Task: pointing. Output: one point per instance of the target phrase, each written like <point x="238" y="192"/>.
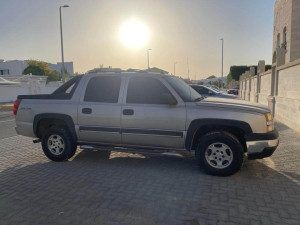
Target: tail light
<point x="16" y="106"/>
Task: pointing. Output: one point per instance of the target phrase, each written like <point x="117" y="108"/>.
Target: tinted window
<point x="145" y="90"/>
<point x="66" y="90"/>
<point x="103" y="89"/>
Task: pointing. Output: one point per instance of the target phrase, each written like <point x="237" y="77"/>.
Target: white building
<point x="286" y="41"/>
<point x="16" y="67"/>
<point x="279" y="88"/>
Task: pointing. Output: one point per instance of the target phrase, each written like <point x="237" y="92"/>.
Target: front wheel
<point x="219" y="153"/>
<point x="57" y="144"/>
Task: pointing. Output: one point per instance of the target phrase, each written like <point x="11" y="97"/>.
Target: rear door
<point x="146" y="119"/>
<point x="99" y="111"/>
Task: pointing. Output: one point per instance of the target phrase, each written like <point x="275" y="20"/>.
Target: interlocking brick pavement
<point x="136" y="189"/>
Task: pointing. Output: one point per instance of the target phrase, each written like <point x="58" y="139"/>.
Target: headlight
<point x="269" y="122"/>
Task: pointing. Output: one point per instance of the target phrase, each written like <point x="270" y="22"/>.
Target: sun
<point x="134" y="34"/>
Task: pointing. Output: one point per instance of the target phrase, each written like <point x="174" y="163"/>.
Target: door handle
<point x="87" y="110"/>
<point x="128" y="112"/>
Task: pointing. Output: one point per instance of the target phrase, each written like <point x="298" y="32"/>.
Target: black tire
<point x="73" y="151"/>
<point x="60" y="136"/>
<point x="215" y="140"/>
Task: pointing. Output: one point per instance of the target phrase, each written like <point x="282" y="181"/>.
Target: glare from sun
<point x="134" y="34"/>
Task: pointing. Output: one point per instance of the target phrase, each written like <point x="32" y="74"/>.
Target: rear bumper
<point x="24" y="128"/>
<point x="262" y="145"/>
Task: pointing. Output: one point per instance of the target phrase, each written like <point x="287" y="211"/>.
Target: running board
<point x="131" y="150"/>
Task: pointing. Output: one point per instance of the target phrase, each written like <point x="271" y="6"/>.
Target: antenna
<point x="187" y="61"/>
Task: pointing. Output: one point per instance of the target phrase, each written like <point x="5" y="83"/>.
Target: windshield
<point x="213" y="90"/>
<point x="187" y="93"/>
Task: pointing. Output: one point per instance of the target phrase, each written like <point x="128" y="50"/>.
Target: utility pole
<point x="149" y="49"/>
<point x="188" y="66"/>
<point x="187" y="61"/>
<point x="222" y="39"/>
<point x="175" y="68"/>
<point x="62" y="45"/>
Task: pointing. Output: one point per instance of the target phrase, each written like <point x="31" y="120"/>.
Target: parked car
<point x="234" y="91"/>
<point x="216" y="88"/>
<point x="210" y="92"/>
<point x="144" y="112"/>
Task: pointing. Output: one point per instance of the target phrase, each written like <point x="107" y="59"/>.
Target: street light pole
<point x="175" y="68"/>
<point x="149" y="49"/>
<point x="222" y="39"/>
<point x="62" y="45"/>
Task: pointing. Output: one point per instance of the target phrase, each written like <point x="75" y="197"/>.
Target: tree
<point x="237" y="71"/>
<point x="54" y="76"/>
<point x="268" y="67"/>
<point x="41" y="68"/>
<point x="229" y="78"/>
<point x="35" y="70"/>
<point x="200" y="83"/>
<point x="212" y="76"/>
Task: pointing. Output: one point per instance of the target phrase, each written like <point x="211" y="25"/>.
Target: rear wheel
<point x="73" y="151"/>
<point x="58" y="145"/>
<point x="219" y="153"/>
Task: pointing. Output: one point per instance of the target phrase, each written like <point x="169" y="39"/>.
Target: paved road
<point x="135" y="189"/>
<point x="7" y="124"/>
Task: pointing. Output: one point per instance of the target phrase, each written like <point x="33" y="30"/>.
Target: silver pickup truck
<point x="145" y="112"/>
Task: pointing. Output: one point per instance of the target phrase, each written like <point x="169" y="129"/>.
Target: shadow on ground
<point x="135" y="189"/>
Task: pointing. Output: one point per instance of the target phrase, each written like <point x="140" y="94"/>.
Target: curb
<point x="7" y="107"/>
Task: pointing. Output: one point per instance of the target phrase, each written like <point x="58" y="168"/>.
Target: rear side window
<point x="103" y="89"/>
<point x="145" y="90"/>
<point x="66" y="90"/>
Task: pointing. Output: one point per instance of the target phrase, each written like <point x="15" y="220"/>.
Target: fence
<point x="278" y="88"/>
<point x="26" y="85"/>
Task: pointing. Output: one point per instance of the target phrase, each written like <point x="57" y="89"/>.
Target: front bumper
<point x="262" y="145"/>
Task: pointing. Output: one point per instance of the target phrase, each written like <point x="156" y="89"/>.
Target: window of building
<point x="284" y="44"/>
<point x="284" y="34"/>
<point x="146" y="90"/>
<point x="4" y="72"/>
<point x="278" y="41"/>
<point x="103" y="89"/>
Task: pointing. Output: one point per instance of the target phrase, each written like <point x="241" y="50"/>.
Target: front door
<point x="99" y="111"/>
<point x="147" y="119"/>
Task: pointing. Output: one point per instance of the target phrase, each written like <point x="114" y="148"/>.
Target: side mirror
<point x="168" y="99"/>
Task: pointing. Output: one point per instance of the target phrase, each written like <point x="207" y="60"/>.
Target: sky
<point x="178" y="29"/>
